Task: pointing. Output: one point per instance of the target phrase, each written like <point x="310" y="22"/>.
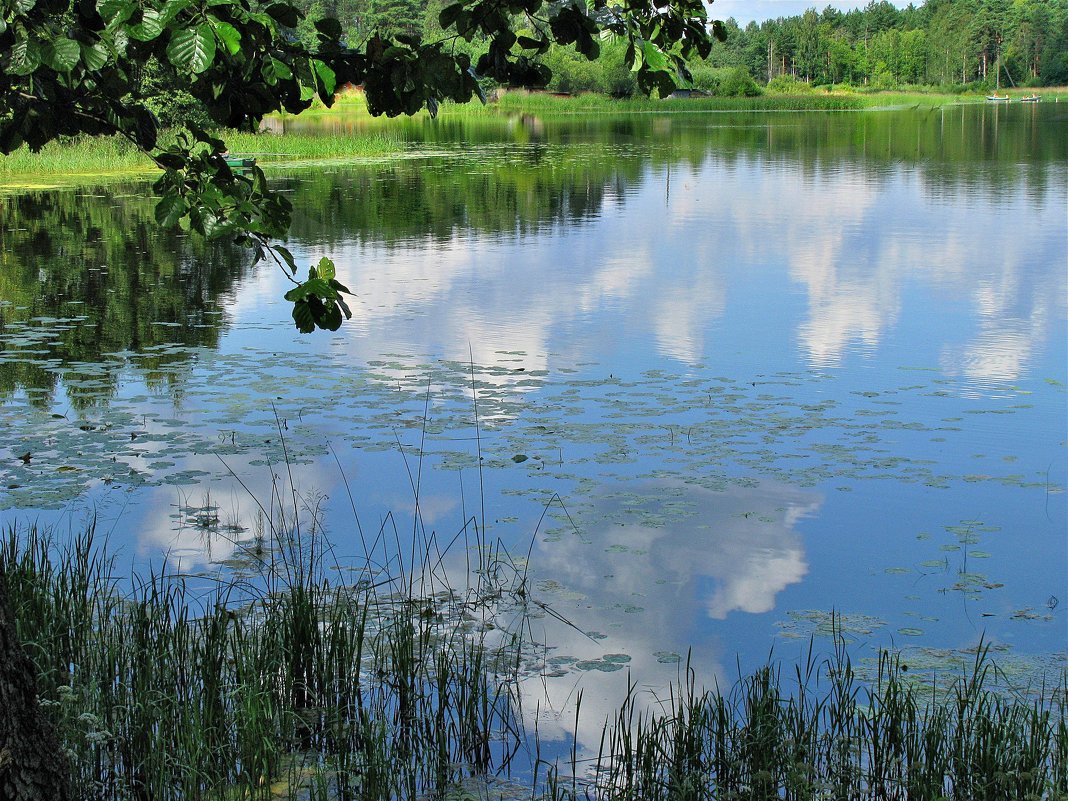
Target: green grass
<point x="80" y="155"/>
<point x="517" y="101"/>
<point x="82" y="159"/>
<point x="85" y="158"/>
<point x="282" y="682"/>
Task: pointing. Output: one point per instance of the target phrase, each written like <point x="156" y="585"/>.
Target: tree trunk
<point x="32" y="766"/>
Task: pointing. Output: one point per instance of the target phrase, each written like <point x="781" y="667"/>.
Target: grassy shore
<point x="93" y="159"/>
<point x="520" y="101"/>
<point x="285" y="684"/>
<point x="85" y="159"/>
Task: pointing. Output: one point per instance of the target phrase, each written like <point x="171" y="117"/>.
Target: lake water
<point x="710" y="377"/>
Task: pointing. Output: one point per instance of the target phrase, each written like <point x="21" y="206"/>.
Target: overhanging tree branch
<point x="71" y="67"/>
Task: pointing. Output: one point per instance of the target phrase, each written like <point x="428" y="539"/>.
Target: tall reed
<point x="165" y="691"/>
<point x="826" y="735"/>
<point x="289" y="684"/>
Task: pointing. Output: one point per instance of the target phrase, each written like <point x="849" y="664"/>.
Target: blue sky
<point x="745" y="11"/>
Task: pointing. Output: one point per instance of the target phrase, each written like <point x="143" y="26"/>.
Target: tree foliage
<point x="72" y="67"/>
<point x="939" y="42"/>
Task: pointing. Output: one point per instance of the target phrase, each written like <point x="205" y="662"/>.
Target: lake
<point x="708" y="379"/>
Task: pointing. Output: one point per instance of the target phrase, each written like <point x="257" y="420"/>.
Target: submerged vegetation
<point x="283" y="683"/>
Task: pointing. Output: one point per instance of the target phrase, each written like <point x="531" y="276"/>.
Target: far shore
<point x="94" y="160"/>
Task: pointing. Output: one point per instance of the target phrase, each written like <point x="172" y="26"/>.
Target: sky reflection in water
<point x="757" y="374"/>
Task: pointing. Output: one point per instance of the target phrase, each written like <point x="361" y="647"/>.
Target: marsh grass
<point x="283" y="684"/>
<point x="77" y="159"/>
<point x="595" y="103"/>
<point x="822" y="734"/>
<point x="282" y="680"/>
<point x="287" y="684"/>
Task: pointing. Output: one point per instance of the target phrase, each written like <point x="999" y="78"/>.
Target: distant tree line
<point x="941" y="42"/>
<point x="947" y="43"/>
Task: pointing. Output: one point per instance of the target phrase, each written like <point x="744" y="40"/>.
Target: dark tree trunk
<point x="32" y="766"/>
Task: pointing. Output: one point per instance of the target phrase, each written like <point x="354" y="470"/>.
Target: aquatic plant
<point x="287" y="684"/>
<point x="824" y="734"/>
<point x="279" y="681"/>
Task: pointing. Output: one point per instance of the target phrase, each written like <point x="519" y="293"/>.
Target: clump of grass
<point x="297" y="147"/>
<point x="824" y="734"/>
<point x="299" y="685"/>
<point x="76" y="155"/>
<point x="515" y="102"/>
<point x="103" y="156"/>
<point x="285" y="684"/>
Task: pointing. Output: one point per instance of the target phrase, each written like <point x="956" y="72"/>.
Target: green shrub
<point x="789" y="85"/>
<point x="738" y="83"/>
<point x="883" y="80"/>
<point x="706" y="77"/>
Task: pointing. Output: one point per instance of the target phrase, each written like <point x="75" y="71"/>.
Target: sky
<point x="745" y="11"/>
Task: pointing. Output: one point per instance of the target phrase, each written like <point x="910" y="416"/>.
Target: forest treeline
<point x="947" y="43"/>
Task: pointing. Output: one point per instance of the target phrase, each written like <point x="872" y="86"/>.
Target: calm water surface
<point x="731" y="373"/>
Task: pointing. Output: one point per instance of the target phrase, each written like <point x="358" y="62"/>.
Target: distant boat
<point x="1030" y="99"/>
<point x="996" y="98"/>
<point x="240" y="162"/>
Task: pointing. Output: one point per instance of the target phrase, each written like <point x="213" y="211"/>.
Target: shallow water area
<point x="711" y="378"/>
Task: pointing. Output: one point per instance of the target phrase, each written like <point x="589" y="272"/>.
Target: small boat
<point x="1030" y="99"/>
<point x="240" y="162"/>
<point x="996" y="98"/>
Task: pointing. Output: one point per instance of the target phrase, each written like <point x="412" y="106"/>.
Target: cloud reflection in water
<point x="662" y="557"/>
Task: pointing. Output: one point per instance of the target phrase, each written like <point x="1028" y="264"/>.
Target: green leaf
<point x="25" y="57"/>
<point x="654" y="57"/>
<point x="287" y="257"/>
<point x="285" y="14"/>
<point x="330" y="318"/>
<point x="114" y="12"/>
<point x="528" y="43"/>
<point x="192" y="49"/>
<point x="339" y="287"/>
<point x="228" y="35"/>
<point x="145" y="126"/>
<point x="329" y="27"/>
<point x="172" y="8"/>
<point x="150" y="26"/>
<point x="170" y="209"/>
<point x="95" y="56"/>
<point x="326" y="269"/>
<point x="302" y="316"/>
<point x="326" y="76"/>
<point x="345" y="308"/>
<point x="213" y="142"/>
<point x="171" y="161"/>
<point x="449" y="14"/>
<point x="62" y="54"/>
<point x="275" y="70"/>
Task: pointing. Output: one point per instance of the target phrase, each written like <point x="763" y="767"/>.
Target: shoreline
<point x="89" y="161"/>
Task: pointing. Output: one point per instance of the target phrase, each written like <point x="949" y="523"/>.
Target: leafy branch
<point x="70" y="68"/>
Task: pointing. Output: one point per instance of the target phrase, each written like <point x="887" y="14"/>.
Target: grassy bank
<point x="822" y="99"/>
<point x="282" y="683"/>
<point x="82" y="159"/>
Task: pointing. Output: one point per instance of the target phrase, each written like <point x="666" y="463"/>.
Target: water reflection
<point x="662" y="557"/>
<point x="671" y="269"/>
<point x="87" y="276"/>
<point x="635" y="228"/>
